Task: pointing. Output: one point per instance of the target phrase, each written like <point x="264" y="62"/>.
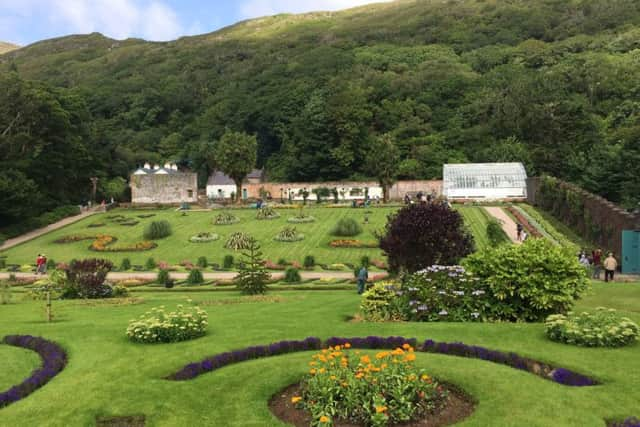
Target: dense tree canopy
<point x="553" y="83"/>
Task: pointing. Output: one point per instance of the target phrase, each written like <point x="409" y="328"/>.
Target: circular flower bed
<point x="102" y="242"/>
<point x="238" y="241"/>
<point x="602" y="329"/>
<point x="204" y="237"/>
<point x="226" y="218"/>
<point x="289" y="234"/>
<point x="157" y="326"/>
<point x="357" y="388"/>
<point x="352" y="243"/>
<point x="301" y="219"/>
<point x="267" y="213"/>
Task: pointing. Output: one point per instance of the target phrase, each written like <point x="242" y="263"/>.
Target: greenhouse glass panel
<point x="485" y="181"/>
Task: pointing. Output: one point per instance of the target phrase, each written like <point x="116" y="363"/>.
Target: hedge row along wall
<point x="595" y="218"/>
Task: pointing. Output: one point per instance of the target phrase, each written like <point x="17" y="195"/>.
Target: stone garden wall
<point x="172" y="188"/>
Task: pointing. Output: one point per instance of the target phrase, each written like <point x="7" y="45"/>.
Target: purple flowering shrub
<point x="629" y="422"/>
<point x="54" y="360"/>
<point x="443" y="293"/>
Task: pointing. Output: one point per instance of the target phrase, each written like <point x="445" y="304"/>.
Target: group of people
<point x="610" y="264"/>
<point x="420" y="198"/>
<point x="41" y="264"/>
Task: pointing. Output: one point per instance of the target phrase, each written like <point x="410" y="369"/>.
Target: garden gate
<point x="631" y="252"/>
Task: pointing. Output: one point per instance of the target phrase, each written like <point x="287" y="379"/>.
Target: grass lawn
<point x="108" y="375"/>
<point x="476" y="219"/>
<point x="177" y="247"/>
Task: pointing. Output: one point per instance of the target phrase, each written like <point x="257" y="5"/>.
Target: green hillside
<point x="553" y="83"/>
<point x="7" y="47"/>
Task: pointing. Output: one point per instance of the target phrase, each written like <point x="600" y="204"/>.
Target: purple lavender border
<point x="54" y="359"/>
<point x="629" y="422"/>
<point x="558" y="375"/>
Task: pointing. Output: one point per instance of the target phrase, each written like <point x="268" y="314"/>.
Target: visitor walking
<point x="40" y="264"/>
<point x="584" y="260"/>
<point x="610" y="265"/>
<point x="519" y="229"/>
<point x="523" y="236"/>
<point x="363" y="275"/>
<point x="596" y="257"/>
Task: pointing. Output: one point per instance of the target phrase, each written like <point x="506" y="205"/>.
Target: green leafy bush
<point x="292" y="275"/>
<point x="365" y="261"/>
<point x="120" y="291"/>
<point x="309" y="261"/>
<point x="602" y="329"/>
<point x="157" y="230"/>
<point x="125" y="265"/>
<point x="163" y="277"/>
<point x="530" y="281"/>
<point x="51" y="264"/>
<point x="202" y="262"/>
<point x="195" y="277"/>
<point x="381" y="303"/>
<point x="225" y="218"/>
<point x="267" y="213"/>
<point x="495" y="233"/>
<point x="289" y="234"/>
<point x="363" y="390"/>
<point x="150" y="264"/>
<point x="346" y="227"/>
<point x="157" y="326"/>
<point x="227" y="262"/>
<point x="238" y="241"/>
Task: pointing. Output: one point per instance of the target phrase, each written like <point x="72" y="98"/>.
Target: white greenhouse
<point x="491" y="181"/>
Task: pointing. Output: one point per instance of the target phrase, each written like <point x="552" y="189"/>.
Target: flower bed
<point x="367" y="390"/>
<point x="548" y="372"/>
<point x="54" y="359"/>
<point x="301" y="219"/>
<point x="204" y="237"/>
<point x="352" y="243"/>
<point x="160" y="327"/>
<point x="602" y="329"/>
<point x="225" y="219"/>
<point x="289" y="234"/>
<point x="533" y="231"/>
<point x="102" y="242"/>
<point x="267" y="213"/>
<point x="96" y="225"/>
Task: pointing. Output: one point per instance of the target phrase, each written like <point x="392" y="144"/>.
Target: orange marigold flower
<point x="296" y="399"/>
<point x="324" y="419"/>
<point x="410" y="357"/>
<point x="312" y="371"/>
<point x="406" y="346"/>
<point x="380" y="409"/>
<point x="424" y="377"/>
<point x="347" y="345"/>
<point x="333" y="377"/>
<point x="365" y="359"/>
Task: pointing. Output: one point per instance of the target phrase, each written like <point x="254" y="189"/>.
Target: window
<point x="190" y="194"/>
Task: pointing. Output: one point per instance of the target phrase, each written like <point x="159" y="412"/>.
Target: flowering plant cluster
<point x="381" y="303"/>
<point x="376" y="391"/>
<point x="267" y="213"/>
<point x="443" y="293"/>
<point x="204" y="237"/>
<point x="102" y="242"/>
<point x="352" y="243"/>
<point x="301" y="219"/>
<point x="157" y="326"/>
<point x="602" y="329"/>
<point x="54" y="360"/>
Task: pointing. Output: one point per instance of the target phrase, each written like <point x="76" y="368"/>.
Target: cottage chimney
<point x="167" y="166"/>
<point x="147" y="166"/>
<point x="174" y="167"/>
<point x="156" y="167"/>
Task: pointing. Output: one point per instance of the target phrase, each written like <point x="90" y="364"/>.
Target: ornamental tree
<point x="236" y="155"/>
<point x="382" y="161"/>
<point x="422" y="235"/>
<point x="253" y="276"/>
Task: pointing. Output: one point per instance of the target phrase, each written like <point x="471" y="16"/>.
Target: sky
<point x="25" y="21"/>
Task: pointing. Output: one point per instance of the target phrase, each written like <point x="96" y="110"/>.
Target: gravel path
<point x="508" y="225"/>
<point x="51" y="227"/>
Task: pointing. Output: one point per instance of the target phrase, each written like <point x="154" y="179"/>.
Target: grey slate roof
<point x="219" y="178"/>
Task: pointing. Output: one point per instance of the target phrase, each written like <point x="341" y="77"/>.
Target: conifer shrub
<point x="292" y="275"/>
<point x="150" y="264"/>
<point x="195" y="277"/>
<point x="163" y="277"/>
<point x="227" y="262"/>
<point x="157" y="230"/>
<point x="125" y="264"/>
<point x="346" y="227"/>
<point x="202" y="262"/>
<point x="309" y="261"/>
<point x="253" y="276"/>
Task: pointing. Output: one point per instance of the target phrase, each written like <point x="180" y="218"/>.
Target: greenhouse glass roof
<point x="485" y="180"/>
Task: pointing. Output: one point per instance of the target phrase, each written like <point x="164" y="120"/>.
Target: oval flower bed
<point x="54" y="359"/>
<point x="102" y="242"/>
<point x="204" y="237"/>
<point x="602" y="329"/>
<point x="157" y="326"/>
<point x="225" y="219"/>
<point x="352" y="243"/>
<point x="301" y="219"/>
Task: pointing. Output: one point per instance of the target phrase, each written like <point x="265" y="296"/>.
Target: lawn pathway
<point x="51" y="227"/>
<point x="508" y="225"/>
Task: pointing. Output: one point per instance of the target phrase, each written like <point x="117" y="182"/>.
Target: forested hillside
<point x="554" y="83"/>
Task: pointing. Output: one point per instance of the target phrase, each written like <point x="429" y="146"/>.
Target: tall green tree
<point x="382" y="161"/>
<point x="236" y="155"/>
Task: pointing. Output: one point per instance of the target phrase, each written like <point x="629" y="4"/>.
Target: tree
<point x="382" y="161"/>
<point x="253" y="276"/>
<point x="422" y="235"/>
<point x="236" y="156"/>
<point x="114" y="188"/>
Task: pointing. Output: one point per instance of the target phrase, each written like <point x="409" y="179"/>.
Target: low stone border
<point x="54" y="359"/>
<point x="559" y="375"/>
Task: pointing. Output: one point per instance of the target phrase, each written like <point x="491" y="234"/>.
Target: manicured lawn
<point x="108" y="375"/>
<point x="177" y="247"/>
<point x="476" y="219"/>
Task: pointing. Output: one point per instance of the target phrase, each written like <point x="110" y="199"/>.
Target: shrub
<point x="495" y="233"/>
<point x="150" y="264"/>
<point x="51" y="264"/>
<point x="444" y="293"/>
<point x="362" y="390"/>
<point x="238" y="241"/>
<point x="381" y="303"/>
<point x="85" y="279"/>
<point x="602" y="329"/>
<point x="3" y="263"/>
<point x="195" y="277"/>
<point x="202" y="262"/>
<point x="120" y="291"/>
<point x="125" y="265"/>
<point x="3" y="239"/>
<point x="365" y="261"/>
<point x="5" y="292"/>
<point x="227" y="262"/>
<point x="157" y="230"/>
<point x="346" y="227"/>
<point x="204" y="237"/>
<point x="292" y="275"/>
<point x="163" y="277"/>
<point x="253" y="276"/>
<point x="289" y="234"/>
<point x="267" y="213"/>
<point x="225" y="218"/>
<point x="283" y="262"/>
<point x="421" y="235"/>
<point x="530" y="281"/>
<point x="160" y="327"/>
<point x="309" y="261"/>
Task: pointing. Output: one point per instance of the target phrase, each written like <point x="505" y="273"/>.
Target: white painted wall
<point x="213" y="193"/>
